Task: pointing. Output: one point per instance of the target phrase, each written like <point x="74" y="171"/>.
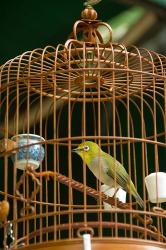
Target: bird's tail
<point x="138" y="199"/>
<point x="136" y="195"/>
<point x="134" y="192"/>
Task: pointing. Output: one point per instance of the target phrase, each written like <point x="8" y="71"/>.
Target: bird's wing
<point x="116" y="170"/>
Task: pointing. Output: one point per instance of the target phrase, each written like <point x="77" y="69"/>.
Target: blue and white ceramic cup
<point x="32" y="155"/>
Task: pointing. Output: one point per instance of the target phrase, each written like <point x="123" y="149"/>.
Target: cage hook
<point x="86" y="233"/>
<point x="85" y="230"/>
<point x="91" y="2"/>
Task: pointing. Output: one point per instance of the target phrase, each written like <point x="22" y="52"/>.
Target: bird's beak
<point x="75" y="150"/>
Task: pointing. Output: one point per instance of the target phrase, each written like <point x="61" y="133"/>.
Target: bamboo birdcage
<point x="87" y="89"/>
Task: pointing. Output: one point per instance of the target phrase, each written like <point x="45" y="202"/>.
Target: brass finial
<point x="89" y="12"/>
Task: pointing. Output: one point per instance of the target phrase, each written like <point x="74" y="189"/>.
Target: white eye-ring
<point x="86" y="148"/>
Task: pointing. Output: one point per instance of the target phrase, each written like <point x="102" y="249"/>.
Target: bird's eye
<point x="86" y="148"/>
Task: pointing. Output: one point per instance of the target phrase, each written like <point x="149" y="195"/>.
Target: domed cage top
<point x="52" y="100"/>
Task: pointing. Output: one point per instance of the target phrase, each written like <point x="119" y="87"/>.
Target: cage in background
<point x="52" y="100"/>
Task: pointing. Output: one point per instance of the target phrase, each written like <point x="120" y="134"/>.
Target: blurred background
<point x="26" y="25"/>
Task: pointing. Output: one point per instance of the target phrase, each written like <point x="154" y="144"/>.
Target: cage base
<point x="98" y="244"/>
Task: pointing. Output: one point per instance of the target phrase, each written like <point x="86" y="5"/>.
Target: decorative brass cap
<point x="89" y="13"/>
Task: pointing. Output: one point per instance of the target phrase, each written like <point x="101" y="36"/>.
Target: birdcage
<point x="54" y="99"/>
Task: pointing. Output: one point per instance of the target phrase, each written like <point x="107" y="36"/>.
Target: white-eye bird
<point x="103" y="166"/>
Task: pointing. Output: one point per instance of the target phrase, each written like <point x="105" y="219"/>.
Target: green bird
<point x="103" y="166"/>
